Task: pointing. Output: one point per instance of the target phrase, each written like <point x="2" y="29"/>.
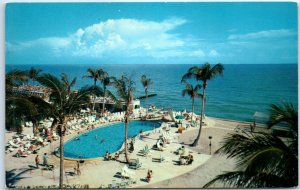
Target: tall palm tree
<point x="93" y="74"/>
<point x="33" y="74"/>
<point x="64" y="104"/>
<point x="204" y="74"/>
<point x="106" y="80"/>
<point x="69" y="84"/>
<point x="125" y="88"/>
<point x="146" y="82"/>
<point x="263" y="160"/>
<point x="193" y="93"/>
<point x="16" y="104"/>
<point x="21" y="107"/>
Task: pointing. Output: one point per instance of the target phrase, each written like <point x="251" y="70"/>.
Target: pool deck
<point x="97" y="172"/>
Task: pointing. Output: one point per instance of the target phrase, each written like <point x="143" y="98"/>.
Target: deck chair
<point x="126" y="173"/>
<point x="145" y="151"/>
<point x="137" y="164"/>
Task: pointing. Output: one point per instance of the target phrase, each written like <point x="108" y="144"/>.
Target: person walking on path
<point x="37" y="161"/>
<point x="45" y="159"/>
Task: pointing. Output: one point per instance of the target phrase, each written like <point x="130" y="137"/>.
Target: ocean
<point x="242" y="90"/>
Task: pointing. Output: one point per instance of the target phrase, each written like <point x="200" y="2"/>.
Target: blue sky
<point x="158" y="33"/>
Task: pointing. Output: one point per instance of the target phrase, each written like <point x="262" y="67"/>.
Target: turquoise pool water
<point x="95" y="143"/>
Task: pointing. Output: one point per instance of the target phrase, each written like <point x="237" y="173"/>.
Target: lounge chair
<point x="136" y="165"/>
<point x="145" y="151"/>
<point x="126" y="173"/>
<point x="162" y="159"/>
<point x="13" y="144"/>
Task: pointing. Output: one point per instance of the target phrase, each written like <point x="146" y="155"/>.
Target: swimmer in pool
<point x="102" y="141"/>
<point x="96" y="136"/>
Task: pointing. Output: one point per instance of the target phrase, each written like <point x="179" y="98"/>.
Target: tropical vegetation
<point x="146" y="82"/>
<point x="204" y="74"/>
<point x="193" y="92"/>
<point x="64" y="103"/>
<point x="93" y="74"/>
<point x="125" y="87"/>
<point x="263" y="160"/>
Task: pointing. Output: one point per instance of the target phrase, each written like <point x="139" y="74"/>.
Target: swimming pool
<point x="110" y="138"/>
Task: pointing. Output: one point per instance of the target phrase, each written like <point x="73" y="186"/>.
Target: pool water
<point x="95" y="143"/>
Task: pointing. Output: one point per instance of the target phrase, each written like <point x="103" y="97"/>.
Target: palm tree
<point x="16" y="104"/>
<point x="14" y="78"/>
<point x="33" y="74"/>
<point x="93" y="74"/>
<point x="204" y="74"/>
<point x="64" y="104"/>
<point x="106" y="80"/>
<point x="193" y="93"/>
<point x="37" y="111"/>
<point x="263" y="160"/>
<point x="146" y="82"/>
<point x="64" y="78"/>
<point x="286" y="114"/>
<point x="125" y="89"/>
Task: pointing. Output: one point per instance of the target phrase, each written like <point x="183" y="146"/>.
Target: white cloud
<point x="197" y="53"/>
<point x="213" y="53"/>
<point x="263" y="34"/>
<point x="121" y="36"/>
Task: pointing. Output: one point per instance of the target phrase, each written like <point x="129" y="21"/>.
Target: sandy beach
<point x="98" y="173"/>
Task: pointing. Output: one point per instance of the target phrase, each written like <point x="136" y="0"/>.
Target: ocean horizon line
<point x="111" y="64"/>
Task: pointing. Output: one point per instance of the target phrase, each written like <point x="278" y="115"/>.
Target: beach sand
<point x="98" y="172"/>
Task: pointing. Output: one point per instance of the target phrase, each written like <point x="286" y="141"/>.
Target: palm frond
<point x="240" y="179"/>
<point x="217" y="70"/>
<point x="15" y="78"/>
<point x="283" y="113"/>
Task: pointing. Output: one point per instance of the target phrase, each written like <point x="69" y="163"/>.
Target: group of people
<point x="109" y="157"/>
<point x="186" y="160"/>
<point x="45" y="160"/>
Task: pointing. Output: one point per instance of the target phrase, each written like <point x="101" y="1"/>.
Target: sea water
<point x="242" y="90"/>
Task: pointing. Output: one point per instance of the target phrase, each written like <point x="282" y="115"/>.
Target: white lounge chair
<point x="126" y="173"/>
<point x="13" y="144"/>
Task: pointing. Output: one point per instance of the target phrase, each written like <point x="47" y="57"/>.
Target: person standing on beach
<point x="45" y="159"/>
<point x="37" y="161"/>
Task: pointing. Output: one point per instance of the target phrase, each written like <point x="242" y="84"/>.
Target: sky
<point x="151" y="33"/>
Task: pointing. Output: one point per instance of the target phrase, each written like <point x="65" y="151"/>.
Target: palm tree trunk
<point x="195" y="143"/>
<point x="61" y="166"/>
<point x="94" y="96"/>
<point x="126" y="136"/>
<point x="34" y="128"/>
<point x="193" y="100"/>
<point x="103" y="105"/>
<point x="146" y="103"/>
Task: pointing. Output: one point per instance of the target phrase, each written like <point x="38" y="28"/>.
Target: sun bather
<point x="190" y="159"/>
<point x="182" y="160"/>
<point x="107" y="156"/>
<point x="131" y="147"/>
<point x="116" y="156"/>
